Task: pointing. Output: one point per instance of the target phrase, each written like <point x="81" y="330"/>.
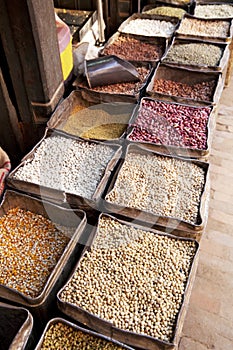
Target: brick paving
<point x="209" y="319"/>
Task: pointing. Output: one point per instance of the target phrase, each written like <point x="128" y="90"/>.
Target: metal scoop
<point x="108" y="70"/>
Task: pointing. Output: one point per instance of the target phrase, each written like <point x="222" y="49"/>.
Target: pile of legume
<point x="166" y="11"/>
<point x="67" y="165"/>
<point x="160" y="185"/>
<point x="196" y="54"/>
<point x="97" y="123"/>
<point x="149" y="27"/>
<point x="192" y="26"/>
<point x="214" y="11"/>
<point x="134" y="50"/>
<point x="199" y="91"/>
<point x="132" y="278"/>
<point x="62" y="336"/>
<point x="171" y="124"/>
<point x="31" y="246"/>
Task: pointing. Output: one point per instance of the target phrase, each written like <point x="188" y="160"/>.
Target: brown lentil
<point x="31" y="246"/>
<point x="214" y="11"/>
<point x="166" y="11"/>
<point x="193" y="26"/>
<point x="199" y="91"/>
<point x="134" y="50"/>
<point x="160" y="185"/>
<point x="132" y="278"/>
<point x="62" y="336"/>
<point x="196" y="54"/>
<point x="130" y="88"/>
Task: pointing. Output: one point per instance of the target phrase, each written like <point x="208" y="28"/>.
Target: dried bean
<point x="133" y="278"/>
<point x="62" y="336"/>
<point x="159" y="185"/>
<point x="192" y="26"/>
<point x="149" y="27"/>
<point x="199" y="91"/>
<point x="67" y="165"/>
<point x="31" y="246"/>
<point x="134" y="50"/>
<point x="166" y="11"/>
<point x="171" y="124"/>
<point x="196" y="54"/>
<point x="214" y="11"/>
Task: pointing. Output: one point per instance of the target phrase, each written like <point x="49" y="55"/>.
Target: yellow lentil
<point x="61" y="336"/>
<point x="96" y="123"/>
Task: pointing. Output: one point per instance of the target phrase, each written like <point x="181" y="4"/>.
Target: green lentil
<point x="166" y="11"/>
<point x="30" y="247"/>
<point x="214" y="11"/>
<point x="196" y="54"/>
<point x="62" y="336"/>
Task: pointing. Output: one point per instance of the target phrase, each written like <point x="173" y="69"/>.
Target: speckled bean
<point x="171" y="124"/>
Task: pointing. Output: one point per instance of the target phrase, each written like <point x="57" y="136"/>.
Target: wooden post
<point x="11" y="138"/>
<point x="29" y="38"/>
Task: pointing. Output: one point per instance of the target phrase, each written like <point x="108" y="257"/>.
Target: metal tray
<point x="164" y="223"/>
<point x="58" y="196"/>
<point x="66" y="108"/>
<point x="76" y="327"/>
<point x="16" y="327"/>
<point x="39" y="305"/>
<point x="218" y="2"/>
<point x="185" y="151"/>
<point x="100" y="97"/>
<point x="161" y="41"/>
<point x="173" y="20"/>
<point x="203" y="38"/>
<point x="182" y="75"/>
<point x="201" y="68"/>
<point x="131" y="338"/>
<point x="164" y="4"/>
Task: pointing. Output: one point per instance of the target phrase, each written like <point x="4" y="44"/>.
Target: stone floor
<point x="209" y="320"/>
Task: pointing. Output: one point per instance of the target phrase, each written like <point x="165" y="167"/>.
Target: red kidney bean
<point x="171" y="124"/>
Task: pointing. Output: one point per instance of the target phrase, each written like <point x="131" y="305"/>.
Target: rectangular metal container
<point x="127" y="337"/>
<point x="186" y="76"/>
<point x="58" y="196"/>
<point x="67" y="108"/>
<point x="39" y="306"/>
<point x="101" y="97"/>
<point x="186" y="5"/>
<point x="161" y="41"/>
<point x="16" y="327"/>
<point x="217" y="2"/>
<point x="164" y="223"/>
<point x="185" y="151"/>
<point x="203" y="38"/>
<point x="173" y="20"/>
<point x="201" y="68"/>
<point x="78" y="328"/>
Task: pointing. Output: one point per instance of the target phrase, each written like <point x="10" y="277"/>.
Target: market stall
<point x="120" y="184"/>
